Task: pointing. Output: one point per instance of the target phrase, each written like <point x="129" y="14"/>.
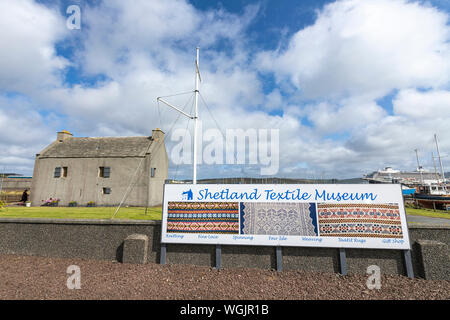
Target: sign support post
<point x="343" y="261"/>
<point x="162" y="258"/>
<point x="218" y="257"/>
<point x="408" y="263"/>
<point x="279" y="259"/>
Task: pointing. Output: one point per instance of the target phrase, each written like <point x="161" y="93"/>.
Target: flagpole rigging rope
<point x="217" y="124"/>
<point x="185" y="133"/>
<point x="132" y="182"/>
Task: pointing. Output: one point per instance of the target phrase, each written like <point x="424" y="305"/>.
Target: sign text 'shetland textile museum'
<point x="100" y="170"/>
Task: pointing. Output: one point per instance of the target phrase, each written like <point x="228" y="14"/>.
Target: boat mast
<point x="418" y="166"/>
<point x="435" y="169"/>
<point x="439" y="156"/>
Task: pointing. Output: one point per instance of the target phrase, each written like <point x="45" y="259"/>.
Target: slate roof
<point x="109" y="147"/>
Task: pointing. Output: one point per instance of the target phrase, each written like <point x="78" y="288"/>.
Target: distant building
<point x="12" y="185"/>
<point x="14" y="182"/>
<point x="8" y="175"/>
<point x="100" y="170"/>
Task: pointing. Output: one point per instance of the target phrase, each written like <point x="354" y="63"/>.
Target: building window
<point x="106" y="190"/>
<point x="153" y="172"/>
<point x="57" y="172"/>
<point x="64" y="172"/>
<point x="104" y="172"/>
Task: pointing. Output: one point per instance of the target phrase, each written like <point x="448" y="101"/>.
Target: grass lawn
<point x="428" y="213"/>
<point x="132" y="213"/>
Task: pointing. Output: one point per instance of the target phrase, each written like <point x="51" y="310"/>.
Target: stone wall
<point x="83" y="183"/>
<point x="104" y="239"/>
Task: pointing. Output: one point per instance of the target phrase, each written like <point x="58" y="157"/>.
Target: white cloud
<point x="330" y="118"/>
<point x="123" y="33"/>
<point x="420" y="105"/>
<point x="146" y="49"/>
<point x="354" y="53"/>
<point x="366" y="47"/>
<point x="29" y="31"/>
<point x="19" y="123"/>
<point x="273" y="100"/>
<point x="23" y="132"/>
<point x="357" y="52"/>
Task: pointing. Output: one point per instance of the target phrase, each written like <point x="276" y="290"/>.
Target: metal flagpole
<point x="197" y="76"/>
<point x="194" y="117"/>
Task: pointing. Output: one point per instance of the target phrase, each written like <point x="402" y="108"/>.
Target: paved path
<point x="413" y="220"/>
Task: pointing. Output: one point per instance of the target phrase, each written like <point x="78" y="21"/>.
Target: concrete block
<point x="135" y="249"/>
<point x="434" y="260"/>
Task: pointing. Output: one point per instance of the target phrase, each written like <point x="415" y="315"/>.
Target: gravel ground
<point x="28" y="277"/>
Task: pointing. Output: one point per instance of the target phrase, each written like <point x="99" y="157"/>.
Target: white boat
<point x="407" y="178"/>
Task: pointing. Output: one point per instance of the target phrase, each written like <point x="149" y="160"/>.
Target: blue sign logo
<point x="187" y="195"/>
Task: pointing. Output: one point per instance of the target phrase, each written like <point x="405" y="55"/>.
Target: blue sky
<point x="352" y="86"/>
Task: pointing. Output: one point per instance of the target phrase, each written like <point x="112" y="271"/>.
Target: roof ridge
<point x="122" y="137"/>
<point x="87" y="147"/>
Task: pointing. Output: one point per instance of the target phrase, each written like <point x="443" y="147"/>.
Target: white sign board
<point x="304" y="215"/>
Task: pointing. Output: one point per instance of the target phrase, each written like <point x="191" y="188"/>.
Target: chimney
<point x="63" y="135"/>
<point x="158" y="135"/>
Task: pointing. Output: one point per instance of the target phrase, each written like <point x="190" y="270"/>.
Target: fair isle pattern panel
<point x="203" y="217"/>
<point x="359" y="220"/>
<point x="261" y="218"/>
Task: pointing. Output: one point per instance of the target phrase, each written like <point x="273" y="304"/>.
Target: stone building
<point x="101" y="170"/>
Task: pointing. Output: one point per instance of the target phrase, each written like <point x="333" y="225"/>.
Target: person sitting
<point x="52" y="202"/>
<point x="47" y="202"/>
